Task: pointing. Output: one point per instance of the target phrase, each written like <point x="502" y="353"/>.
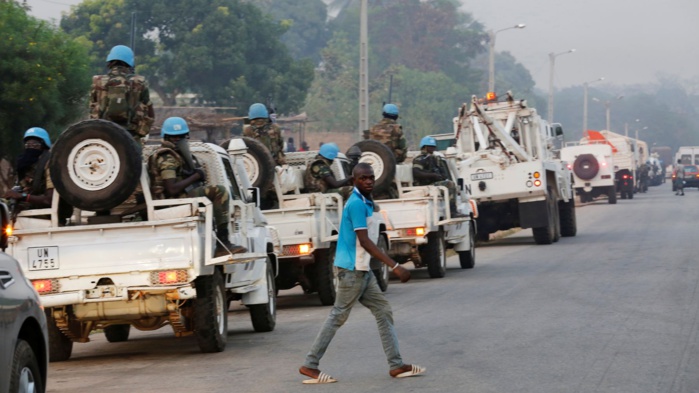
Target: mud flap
<point x="533" y="214"/>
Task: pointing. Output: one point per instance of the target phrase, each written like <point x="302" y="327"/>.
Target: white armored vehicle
<point x="508" y="160"/>
<point x="592" y="165"/>
<point x="147" y="265"/>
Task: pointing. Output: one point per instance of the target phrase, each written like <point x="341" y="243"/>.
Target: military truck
<point x="147" y="265"/>
<point x="592" y="165"/>
<point x="508" y="160"/>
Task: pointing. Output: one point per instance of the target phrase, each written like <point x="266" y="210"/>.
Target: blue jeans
<point x="353" y="286"/>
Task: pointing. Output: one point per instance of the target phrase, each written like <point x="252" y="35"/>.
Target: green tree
<point x="228" y="52"/>
<point x="44" y="77"/>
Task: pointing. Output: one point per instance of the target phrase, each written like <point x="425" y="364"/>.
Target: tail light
<point x="537" y="182"/>
<point x="419" y="231"/>
<point x="169" y="277"/>
<point x="44" y="287"/>
<point x="297" y="249"/>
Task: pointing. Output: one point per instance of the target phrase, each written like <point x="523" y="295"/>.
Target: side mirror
<point x="557" y="129"/>
<point x="253" y="195"/>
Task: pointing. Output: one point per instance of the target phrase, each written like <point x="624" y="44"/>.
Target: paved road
<point x="614" y="309"/>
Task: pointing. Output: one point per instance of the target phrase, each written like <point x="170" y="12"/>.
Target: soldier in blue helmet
<point x="267" y="132"/>
<point x="121" y="96"/>
<point x="319" y="177"/>
<point x="34" y="188"/>
<point x="172" y="178"/>
<point x="431" y="169"/>
<point x="390" y="133"/>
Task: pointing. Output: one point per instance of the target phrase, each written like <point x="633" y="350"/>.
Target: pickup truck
<point x="146" y="265"/>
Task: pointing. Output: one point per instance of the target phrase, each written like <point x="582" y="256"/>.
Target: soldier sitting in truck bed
<point x="171" y="181"/>
<point x="429" y="169"/>
<point x="319" y="177"/>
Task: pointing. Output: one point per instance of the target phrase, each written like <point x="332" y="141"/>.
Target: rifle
<point x="13" y="204"/>
<point x="183" y="147"/>
<point x="272" y="109"/>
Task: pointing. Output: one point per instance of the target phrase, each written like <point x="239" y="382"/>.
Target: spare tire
<point x="381" y="158"/>
<point x="95" y="165"/>
<point x="586" y="166"/>
<point x="258" y="162"/>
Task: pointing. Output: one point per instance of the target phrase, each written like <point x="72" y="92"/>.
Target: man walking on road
<point x="356" y="282"/>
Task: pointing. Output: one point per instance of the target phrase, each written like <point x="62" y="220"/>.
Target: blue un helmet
<point x="123" y="53"/>
<point x="428" y="141"/>
<point x="329" y="150"/>
<point x="390" y="109"/>
<point x="39" y="133"/>
<point x="258" y="111"/>
<point x="174" y="126"/>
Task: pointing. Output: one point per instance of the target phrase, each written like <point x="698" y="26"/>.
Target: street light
<point x="585" y="102"/>
<point x="552" y="62"/>
<point x="491" y="64"/>
<point x="607" y="106"/>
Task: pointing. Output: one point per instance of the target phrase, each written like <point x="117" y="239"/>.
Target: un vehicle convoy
<point x="592" y="165"/>
<point x="626" y="155"/>
<point x="145" y="265"/>
<point x="507" y="157"/>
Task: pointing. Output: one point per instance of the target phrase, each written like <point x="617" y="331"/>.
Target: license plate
<point x="43" y="258"/>
<point x="481" y="175"/>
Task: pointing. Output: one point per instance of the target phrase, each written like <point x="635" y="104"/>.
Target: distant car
<point x="691" y="176"/>
<point x="23" y="330"/>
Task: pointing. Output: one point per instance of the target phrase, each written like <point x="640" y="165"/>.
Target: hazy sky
<point x="625" y="41"/>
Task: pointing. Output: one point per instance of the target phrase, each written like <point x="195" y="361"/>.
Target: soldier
<point x="264" y="130"/>
<point x="431" y="169"/>
<point x="679" y="178"/>
<point x="390" y="133"/>
<point x="35" y="188"/>
<point x="319" y="177"/>
<point x="172" y="178"/>
<point x="121" y="96"/>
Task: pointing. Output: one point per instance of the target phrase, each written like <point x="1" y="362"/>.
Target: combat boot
<point x="224" y="246"/>
<point x="455" y="213"/>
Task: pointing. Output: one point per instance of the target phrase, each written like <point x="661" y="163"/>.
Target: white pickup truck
<point x="146" y="266"/>
<point x="420" y="223"/>
<point x="308" y="223"/>
<point x="592" y="165"/>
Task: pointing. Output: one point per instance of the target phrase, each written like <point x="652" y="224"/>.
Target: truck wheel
<point x="25" y="374"/>
<point x="117" y="333"/>
<point x="210" y="313"/>
<point x="467" y="259"/>
<point x="381" y="158"/>
<point x="433" y="254"/>
<point x="586" y="166"/>
<point x="264" y="316"/>
<point x="566" y="210"/>
<point x="325" y="276"/>
<point x="380" y="269"/>
<point x="60" y="346"/>
<point x="545" y="235"/>
<point x="611" y="193"/>
<point x="258" y="162"/>
<point x="95" y="165"/>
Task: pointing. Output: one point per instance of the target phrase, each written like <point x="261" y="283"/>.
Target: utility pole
<point x="363" y="70"/>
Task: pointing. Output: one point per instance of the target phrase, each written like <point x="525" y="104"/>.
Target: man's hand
<point x="201" y="173"/>
<point x="402" y="273"/>
<point x="12" y="194"/>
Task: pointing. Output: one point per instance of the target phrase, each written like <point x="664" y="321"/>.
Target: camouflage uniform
<point x="390" y="133"/>
<point x="431" y="163"/>
<point x="36" y="180"/>
<point x="270" y="135"/>
<point x="168" y="165"/>
<point x="139" y="121"/>
<point x="313" y="178"/>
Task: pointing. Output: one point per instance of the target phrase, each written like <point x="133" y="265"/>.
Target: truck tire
<point x="60" y="346"/>
<point x="467" y="259"/>
<point x="325" y="275"/>
<point x="611" y="193"/>
<point x="95" y="165"/>
<point x="258" y="162"/>
<point x="569" y="226"/>
<point x="380" y="269"/>
<point x="25" y="372"/>
<point x="434" y="255"/>
<point x="586" y="166"/>
<point x="545" y="235"/>
<point x="381" y="158"/>
<point x="210" y="313"/>
<point x="264" y="316"/>
<point x="117" y="333"/>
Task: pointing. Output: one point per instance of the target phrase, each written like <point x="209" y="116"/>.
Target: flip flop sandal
<point x="414" y="370"/>
<point x="322" y="378"/>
